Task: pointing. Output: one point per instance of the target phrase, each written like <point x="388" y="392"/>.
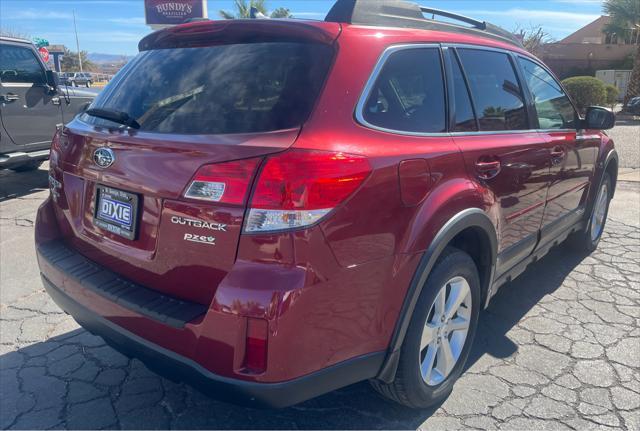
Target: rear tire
<point x="29" y="166"/>
<point x="426" y="373"/>
<point x="588" y="239"/>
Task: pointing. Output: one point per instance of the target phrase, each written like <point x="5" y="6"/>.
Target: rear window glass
<point x="238" y="88"/>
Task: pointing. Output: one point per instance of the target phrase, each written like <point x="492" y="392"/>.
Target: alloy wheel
<point x="599" y="212"/>
<point x="445" y="331"/>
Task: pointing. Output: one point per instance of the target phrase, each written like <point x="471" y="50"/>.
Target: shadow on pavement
<point x="19" y="184"/>
<point x="97" y="387"/>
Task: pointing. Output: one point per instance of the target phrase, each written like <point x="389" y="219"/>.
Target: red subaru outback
<point x="271" y="210"/>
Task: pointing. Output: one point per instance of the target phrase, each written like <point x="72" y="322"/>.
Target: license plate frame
<point x="116" y="211"/>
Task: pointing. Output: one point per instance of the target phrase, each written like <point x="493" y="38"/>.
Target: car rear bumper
<point x="204" y="345"/>
<point x="17" y="158"/>
<point x="177" y="367"/>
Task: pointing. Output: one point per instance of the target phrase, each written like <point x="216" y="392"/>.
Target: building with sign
<point x="166" y="13"/>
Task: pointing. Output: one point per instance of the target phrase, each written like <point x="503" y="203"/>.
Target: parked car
<point x="32" y="105"/>
<point x="76" y="79"/>
<point x="633" y="106"/>
<point x="64" y="78"/>
<point x="284" y="208"/>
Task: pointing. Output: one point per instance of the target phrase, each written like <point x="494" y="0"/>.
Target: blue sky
<point x="115" y="26"/>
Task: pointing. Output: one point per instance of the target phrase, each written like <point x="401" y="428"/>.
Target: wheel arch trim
<point x="468" y="218"/>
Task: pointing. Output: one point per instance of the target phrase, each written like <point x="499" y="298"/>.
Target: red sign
<point x="172" y="12"/>
<point x="44" y="53"/>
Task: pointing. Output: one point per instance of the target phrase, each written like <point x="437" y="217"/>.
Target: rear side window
<point x="237" y="88"/>
<point x="18" y="64"/>
<point x="408" y="95"/>
<point x="495" y="90"/>
<point x="553" y="107"/>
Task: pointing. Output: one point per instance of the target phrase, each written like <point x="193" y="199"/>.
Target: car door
<point x="491" y="126"/>
<point x="573" y="153"/>
<point x="30" y="109"/>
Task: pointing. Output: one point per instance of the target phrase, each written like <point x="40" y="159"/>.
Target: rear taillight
<point x="55" y="141"/>
<point x="223" y="182"/>
<point x="56" y="148"/>
<point x="298" y="187"/>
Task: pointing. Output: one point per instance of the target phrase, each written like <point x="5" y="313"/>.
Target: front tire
<point x="440" y="333"/>
<point x="588" y="239"/>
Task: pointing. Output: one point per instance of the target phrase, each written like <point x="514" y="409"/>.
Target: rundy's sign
<point x="172" y="12"/>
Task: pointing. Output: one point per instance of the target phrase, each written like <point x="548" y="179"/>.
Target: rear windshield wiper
<point x="115" y="116"/>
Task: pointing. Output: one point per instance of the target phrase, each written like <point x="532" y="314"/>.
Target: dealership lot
<point x="558" y="348"/>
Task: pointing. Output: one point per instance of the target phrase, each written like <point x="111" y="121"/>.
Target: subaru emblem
<point x="104" y="157"/>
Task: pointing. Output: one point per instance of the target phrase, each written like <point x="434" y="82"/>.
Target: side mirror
<point x="599" y="118"/>
<point x="53" y="80"/>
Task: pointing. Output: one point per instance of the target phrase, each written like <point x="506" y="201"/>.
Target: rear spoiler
<point x="207" y="33"/>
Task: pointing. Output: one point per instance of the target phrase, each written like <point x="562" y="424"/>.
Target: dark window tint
<point x="552" y="105"/>
<point x="497" y="96"/>
<point x="465" y="120"/>
<point x="19" y="64"/>
<point x="238" y="88"/>
<point x="409" y="93"/>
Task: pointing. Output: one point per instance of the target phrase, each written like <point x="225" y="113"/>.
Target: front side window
<point x="18" y="64"/>
<point x="497" y="96"/>
<point x="553" y="107"/>
<point x="408" y="95"/>
<point x="222" y="89"/>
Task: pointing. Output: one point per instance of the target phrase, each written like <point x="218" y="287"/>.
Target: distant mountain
<point x="97" y="57"/>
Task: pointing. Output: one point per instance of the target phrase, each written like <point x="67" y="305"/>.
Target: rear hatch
<point x="162" y="200"/>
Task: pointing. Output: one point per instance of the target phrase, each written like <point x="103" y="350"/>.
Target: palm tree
<point x="243" y="10"/>
<point x="625" y="24"/>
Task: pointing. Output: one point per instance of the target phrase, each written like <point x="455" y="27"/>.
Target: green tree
<point x="69" y="62"/>
<point x="281" y="12"/>
<point x="625" y="25"/>
<point x="612" y="95"/>
<point x="586" y="91"/>
<point x="243" y="10"/>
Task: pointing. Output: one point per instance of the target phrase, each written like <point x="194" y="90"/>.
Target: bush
<point x="612" y="94"/>
<point x="586" y="91"/>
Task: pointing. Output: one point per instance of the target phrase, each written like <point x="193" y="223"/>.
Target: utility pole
<point x="77" y="42"/>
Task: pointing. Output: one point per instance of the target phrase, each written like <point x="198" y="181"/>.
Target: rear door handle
<point x="488" y="169"/>
<point x="9" y="97"/>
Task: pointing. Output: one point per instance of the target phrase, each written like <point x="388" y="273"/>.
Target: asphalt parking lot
<point x="559" y="348"/>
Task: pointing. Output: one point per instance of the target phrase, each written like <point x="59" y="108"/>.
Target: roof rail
<point x="401" y="13"/>
<point x="480" y="25"/>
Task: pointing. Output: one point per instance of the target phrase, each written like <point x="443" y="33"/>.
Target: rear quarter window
<point x="408" y="94"/>
<point x="237" y="88"/>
